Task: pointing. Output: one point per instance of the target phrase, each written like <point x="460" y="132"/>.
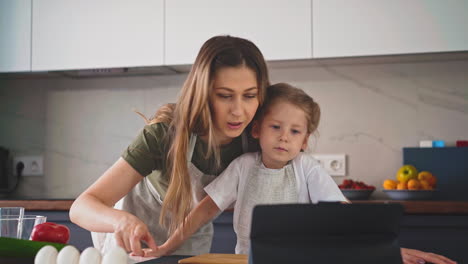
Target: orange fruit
<point x="424" y="175"/>
<point x="390" y="184"/>
<point x="425" y="185"/>
<point x="427" y="176"/>
<point x="402" y="186"/>
<point x="432" y="181"/>
<point x="414" y="184"/>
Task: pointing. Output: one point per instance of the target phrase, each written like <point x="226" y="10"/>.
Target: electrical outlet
<point x="33" y="165"/>
<point x="334" y="164"/>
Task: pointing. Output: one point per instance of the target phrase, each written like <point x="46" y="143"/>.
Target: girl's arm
<point x="202" y="214"/>
<point x="93" y="209"/>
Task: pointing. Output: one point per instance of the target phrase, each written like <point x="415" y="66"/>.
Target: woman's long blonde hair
<point x="192" y="114"/>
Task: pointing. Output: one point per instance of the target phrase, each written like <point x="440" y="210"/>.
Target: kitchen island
<point x="434" y="226"/>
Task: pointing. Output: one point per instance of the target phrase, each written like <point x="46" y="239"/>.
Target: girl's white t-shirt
<point x="314" y="184"/>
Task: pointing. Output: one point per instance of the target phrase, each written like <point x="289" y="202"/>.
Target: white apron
<point x="145" y="202"/>
<point x="263" y="186"/>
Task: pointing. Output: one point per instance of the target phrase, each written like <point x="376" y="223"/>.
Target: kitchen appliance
<point x="306" y="233"/>
<point x="8" y="180"/>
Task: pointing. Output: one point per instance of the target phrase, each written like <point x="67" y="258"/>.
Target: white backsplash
<point x="369" y="112"/>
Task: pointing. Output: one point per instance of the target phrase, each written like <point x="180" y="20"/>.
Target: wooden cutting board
<point x="216" y="259"/>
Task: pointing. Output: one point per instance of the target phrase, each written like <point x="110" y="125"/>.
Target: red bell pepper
<point x="51" y="232"/>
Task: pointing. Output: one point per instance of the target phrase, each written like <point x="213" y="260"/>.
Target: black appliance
<point x="306" y="233"/>
<point x="8" y="180"/>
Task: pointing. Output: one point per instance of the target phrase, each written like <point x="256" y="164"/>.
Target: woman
<point x="183" y="149"/>
<point x="201" y="134"/>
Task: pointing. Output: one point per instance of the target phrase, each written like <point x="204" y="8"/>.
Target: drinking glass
<point x="9" y="227"/>
<point x="20" y="227"/>
<point x="6" y="211"/>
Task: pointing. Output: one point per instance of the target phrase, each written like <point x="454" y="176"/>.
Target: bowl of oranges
<point x="410" y="184"/>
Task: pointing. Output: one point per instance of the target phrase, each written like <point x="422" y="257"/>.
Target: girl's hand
<point x="129" y="231"/>
<point x="413" y="256"/>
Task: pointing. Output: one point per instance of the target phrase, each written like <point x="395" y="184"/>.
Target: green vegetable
<point x="12" y="247"/>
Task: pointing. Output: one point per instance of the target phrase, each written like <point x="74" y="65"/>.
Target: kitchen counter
<point x="411" y="207"/>
<point x="434" y="226"/>
<point x="39" y="205"/>
<point x="428" y="207"/>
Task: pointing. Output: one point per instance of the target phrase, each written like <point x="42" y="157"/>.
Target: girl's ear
<point x="306" y="142"/>
<point x="255" y="129"/>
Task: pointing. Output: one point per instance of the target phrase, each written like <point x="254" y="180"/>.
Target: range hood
<point x="278" y="64"/>
<point x="127" y="71"/>
<point x="183" y="69"/>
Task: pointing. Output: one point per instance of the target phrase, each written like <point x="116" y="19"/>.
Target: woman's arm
<point x="204" y="212"/>
<point x="93" y="209"/>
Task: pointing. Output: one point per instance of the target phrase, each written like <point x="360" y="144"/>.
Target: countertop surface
<point x="411" y="207"/>
<point x="39" y="204"/>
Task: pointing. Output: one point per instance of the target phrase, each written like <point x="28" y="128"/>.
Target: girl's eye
<point x="294" y="131"/>
<point x="275" y="126"/>
<point x="224" y="96"/>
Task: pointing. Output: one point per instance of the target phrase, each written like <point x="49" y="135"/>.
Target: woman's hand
<point x="129" y="231"/>
<point x="158" y="252"/>
<point x="413" y="256"/>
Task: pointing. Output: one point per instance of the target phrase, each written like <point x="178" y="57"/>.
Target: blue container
<point x="438" y="144"/>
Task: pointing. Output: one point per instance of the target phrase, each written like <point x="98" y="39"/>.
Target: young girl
<point x="280" y="173"/>
<point x="161" y="175"/>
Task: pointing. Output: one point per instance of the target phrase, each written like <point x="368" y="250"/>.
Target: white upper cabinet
<point x="281" y="29"/>
<point x="86" y="34"/>
<point x="380" y="27"/>
<point x="15" y="35"/>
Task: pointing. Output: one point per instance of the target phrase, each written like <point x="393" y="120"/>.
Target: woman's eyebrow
<point x="251" y="89"/>
<point x="232" y="90"/>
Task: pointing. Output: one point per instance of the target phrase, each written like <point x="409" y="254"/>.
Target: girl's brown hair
<point x="192" y="114"/>
<point x="283" y="92"/>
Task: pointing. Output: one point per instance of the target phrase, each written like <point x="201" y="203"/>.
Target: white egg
<point x="90" y="256"/>
<point x="115" y="255"/>
<point x="68" y="255"/>
<point x="46" y="255"/>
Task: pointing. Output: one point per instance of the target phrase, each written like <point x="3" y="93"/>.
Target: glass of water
<point x="10" y="218"/>
<point x="15" y="226"/>
<point x="6" y="211"/>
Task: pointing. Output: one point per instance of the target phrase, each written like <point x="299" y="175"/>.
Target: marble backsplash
<point x="369" y="112"/>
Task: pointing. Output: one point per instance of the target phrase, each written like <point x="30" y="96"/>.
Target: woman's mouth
<point x="234" y="125"/>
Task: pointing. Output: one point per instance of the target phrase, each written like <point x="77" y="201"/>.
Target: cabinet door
<point x="379" y="27"/>
<point x="15" y="35"/>
<point x="96" y="34"/>
<point x="281" y="29"/>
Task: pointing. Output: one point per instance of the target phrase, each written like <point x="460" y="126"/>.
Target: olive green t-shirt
<point x="148" y="152"/>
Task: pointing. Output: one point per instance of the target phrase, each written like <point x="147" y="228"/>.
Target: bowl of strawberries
<point x="356" y="190"/>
